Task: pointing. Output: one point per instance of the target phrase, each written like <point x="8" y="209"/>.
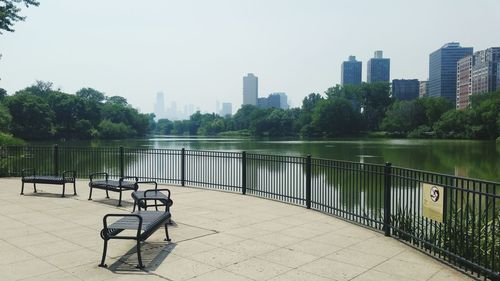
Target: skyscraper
<point x="351" y="72"/>
<point x="443" y="70"/>
<point x="423" y="89"/>
<point x="250" y="89"/>
<point x="464" y="85"/>
<point x="378" y="68"/>
<point x="484" y="74"/>
<point x="477" y="73"/>
<point x="160" y="106"/>
<point x="405" y="89"/>
<point x="227" y="109"/>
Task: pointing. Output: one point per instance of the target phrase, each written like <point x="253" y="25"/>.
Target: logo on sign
<point x="434" y="193"/>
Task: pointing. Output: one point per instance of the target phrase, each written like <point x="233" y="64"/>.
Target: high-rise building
<point x="378" y="68"/>
<point x="227" y="109"/>
<point x="477" y="73"/>
<point x="274" y="100"/>
<point x="250" y="89"/>
<point x="443" y="70"/>
<point x="262" y="103"/>
<point x="283" y="100"/>
<point x="160" y="106"/>
<point x="423" y="89"/>
<point x="464" y="85"/>
<point x="485" y="71"/>
<point x="351" y="72"/>
<point x="405" y="89"/>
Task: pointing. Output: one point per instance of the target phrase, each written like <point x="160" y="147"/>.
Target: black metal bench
<point x="145" y="222"/>
<point x="159" y="193"/>
<point x="30" y="176"/>
<point x="102" y="181"/>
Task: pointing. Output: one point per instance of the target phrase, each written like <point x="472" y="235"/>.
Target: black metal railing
<point x="382" y="197"/>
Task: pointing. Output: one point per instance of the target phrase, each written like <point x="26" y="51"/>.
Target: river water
<point x="476" y="159"/>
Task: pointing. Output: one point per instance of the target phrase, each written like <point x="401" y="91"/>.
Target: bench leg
<point x="34" y="187"/>
<point x="102" y="264"/>
<point x="135" y="204"/>
<point x="90" y="194"/>
<point x="139" y="254"/>
<point x="74" y="188"/>
<point x="64" y="189"/>
<point x="119" y="200"/>
<point x="107" y="194"/>
<point x="22" y="188"/>
<point x="166" y="233"/>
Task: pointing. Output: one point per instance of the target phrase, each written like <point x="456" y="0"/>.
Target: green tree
<point x="164" y="127"/>
<point x="112" y="130"/>
<point x="5" y="119"/>
<point x="32" y="117"/>
<point x="335" y="117"/>
<point x="10" y="13"/>
<point x="91" y="95"/>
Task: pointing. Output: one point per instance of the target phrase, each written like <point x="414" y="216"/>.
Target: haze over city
<point x="197" y="52"/>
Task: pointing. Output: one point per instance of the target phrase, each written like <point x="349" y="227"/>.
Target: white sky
<point x="198" y="51"/>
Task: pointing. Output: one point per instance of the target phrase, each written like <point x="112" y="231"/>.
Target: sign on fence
<point x="433" y="196"/>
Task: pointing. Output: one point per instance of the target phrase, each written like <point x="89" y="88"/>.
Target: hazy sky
<point x="198" y="51"/>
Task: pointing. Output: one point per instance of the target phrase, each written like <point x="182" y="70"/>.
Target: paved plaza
<point x="215" y="236"/>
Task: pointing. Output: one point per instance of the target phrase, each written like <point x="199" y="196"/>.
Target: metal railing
<point x="382" y="197"/>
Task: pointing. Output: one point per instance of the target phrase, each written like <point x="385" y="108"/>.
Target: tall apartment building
<point x="405" y="89"/>
<point x="378" y="68"/>
<point x="250" y="89"/>
<point x="423" y="89"/>
<point x="464" y="81"/>
<point x="274" y="100"/>
<point x="485" y="72"/>
<point x="160" y="106"/>
<point x="478" y="73"/>
<point x="227" y="109"/>
<point x="351" y="72"/>
<point x="443" y="70"/>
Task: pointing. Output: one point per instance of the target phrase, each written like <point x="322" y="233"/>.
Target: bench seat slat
<point x="149" y="219"/>
<point x="113" y="184"/>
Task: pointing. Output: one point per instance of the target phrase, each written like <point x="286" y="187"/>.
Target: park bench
<point x="102" y="181"/>
<point x="30" y="176"/>
<point x="140" y="225"/>
<point x="159" y="193"/>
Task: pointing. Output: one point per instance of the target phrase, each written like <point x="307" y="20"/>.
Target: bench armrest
<point x="129" y="177"/>
<point x="105" y="224"/>
<point x="92" y="176"/>
<point x="69" y="174"/>
<point x="28" y="172"/>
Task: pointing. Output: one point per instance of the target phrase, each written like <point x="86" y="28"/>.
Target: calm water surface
<point x="477" y="159"/>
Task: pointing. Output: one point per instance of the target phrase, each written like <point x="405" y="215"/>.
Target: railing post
<point x="56" y="160"/>
<point x="308" y="181"/>
<point x="387" y="198"/>
<point x="183" y="167"/>
<point x="244" y="173"/>
<point x="122" y="164"/>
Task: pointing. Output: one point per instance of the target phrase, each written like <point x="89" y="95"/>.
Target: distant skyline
<point x="196" y="52"/>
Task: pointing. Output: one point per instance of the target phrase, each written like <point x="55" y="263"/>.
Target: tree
<point x="335" y="117"/>
<point x="32" y="117"/>
<point x="3" y="94"/>
<point x="90" y="94"/>
<point x="5" y="119"/>
<point x="9" y="13"/>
